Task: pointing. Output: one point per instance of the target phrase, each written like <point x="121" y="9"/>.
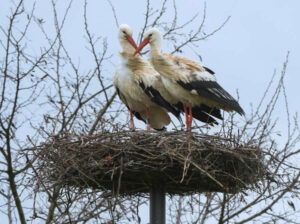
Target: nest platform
<point x="131" y="162"/>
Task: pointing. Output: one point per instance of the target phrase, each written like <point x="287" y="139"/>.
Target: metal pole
<point x="157" y="205"/>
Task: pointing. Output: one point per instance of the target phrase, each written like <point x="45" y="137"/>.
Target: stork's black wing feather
<point x="211" y="111"/>
<point x="213" y="91"/>
<point x="201" y="113"/>
<point x="157" y="98"/>
<point x="209" y="70"/>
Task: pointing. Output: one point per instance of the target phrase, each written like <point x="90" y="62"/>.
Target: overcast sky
<point x="244" y="54"/>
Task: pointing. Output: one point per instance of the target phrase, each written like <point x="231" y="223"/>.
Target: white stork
<point x="193" y="85"/>
<point x="139" y="86"/>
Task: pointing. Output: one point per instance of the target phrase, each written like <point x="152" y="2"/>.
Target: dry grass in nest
<point x="130" y="162"/>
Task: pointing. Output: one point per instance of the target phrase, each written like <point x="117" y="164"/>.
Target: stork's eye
<point x="124" y="32"/>
<point x="150" y="35"/>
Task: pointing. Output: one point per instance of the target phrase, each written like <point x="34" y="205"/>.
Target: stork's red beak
<point x="132" y="42"/>
<point x="142" y="45"/>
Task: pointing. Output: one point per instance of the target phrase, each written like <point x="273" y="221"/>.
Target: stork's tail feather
<point x="160" y="129"/>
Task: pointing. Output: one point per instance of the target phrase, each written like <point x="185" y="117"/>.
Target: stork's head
<point x="152" y="37"/>
<point x="125" y="36"/>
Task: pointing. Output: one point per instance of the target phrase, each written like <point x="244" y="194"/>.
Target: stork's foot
<point x="132" y="127"/>
<point x="148" y="127"/>
<point x="109" y="160"/>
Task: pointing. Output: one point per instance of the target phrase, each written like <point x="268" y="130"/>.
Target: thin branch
<point x="101" y="113"/>
<point x="114" y="13"/>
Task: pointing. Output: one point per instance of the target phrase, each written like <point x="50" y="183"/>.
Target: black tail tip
<point x="160" y="129"/>
<point x="241" y="112"/>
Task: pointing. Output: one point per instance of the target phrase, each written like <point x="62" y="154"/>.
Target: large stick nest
<point x="132" y="162"/>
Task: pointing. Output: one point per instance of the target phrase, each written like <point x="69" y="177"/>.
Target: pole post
<point x="157" y="205"/>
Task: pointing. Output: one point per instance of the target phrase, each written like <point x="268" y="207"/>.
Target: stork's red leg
<point x="147" y="119"/>
<point x="191" y="116"/>
<point x="186" y="116"/>
<point x="131" y="120"/>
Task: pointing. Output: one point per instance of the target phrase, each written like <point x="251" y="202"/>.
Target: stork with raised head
<point x="193" y="85"/>
<point x="140" y="87"/>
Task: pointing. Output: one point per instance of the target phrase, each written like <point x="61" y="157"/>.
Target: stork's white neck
<point x="154" y="49"/>
<point x="127" y="48"/>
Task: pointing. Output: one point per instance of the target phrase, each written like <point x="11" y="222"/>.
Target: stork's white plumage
<point x="139" y="86"/>
<point x="193" y="85"/>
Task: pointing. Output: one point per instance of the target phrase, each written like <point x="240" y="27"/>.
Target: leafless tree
<point x="47" y="95"/>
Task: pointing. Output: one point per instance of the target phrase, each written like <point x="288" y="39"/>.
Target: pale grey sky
<point x="243" y="54"/>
